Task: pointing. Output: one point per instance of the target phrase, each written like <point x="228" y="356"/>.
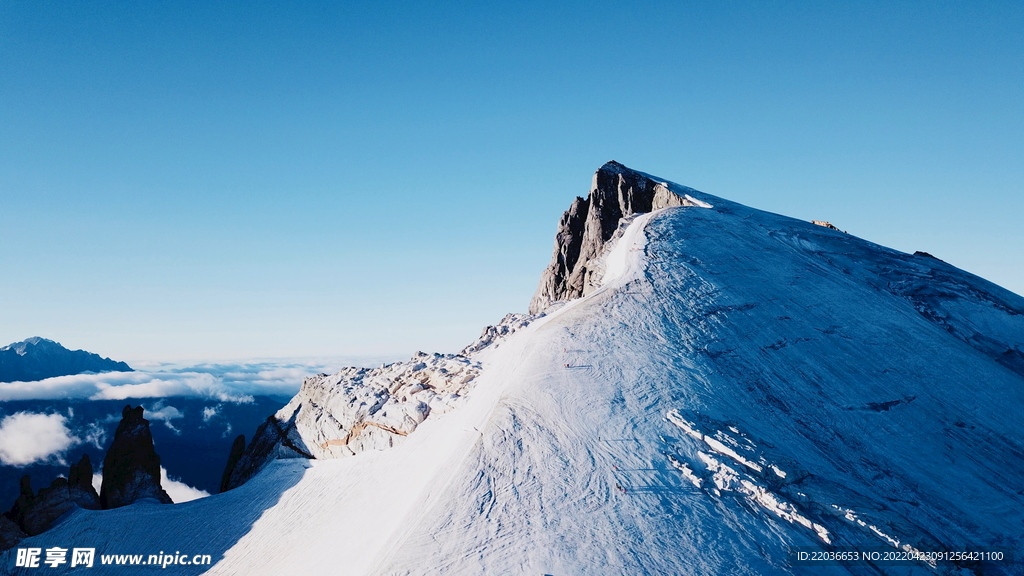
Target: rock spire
<point x="589" y="225"/>
<point x="131" y="469"/>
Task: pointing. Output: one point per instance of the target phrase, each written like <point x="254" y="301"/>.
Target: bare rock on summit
<point x="589" y="225"/>
<point x="131" y="469"/>
<point x="827" y="224"/>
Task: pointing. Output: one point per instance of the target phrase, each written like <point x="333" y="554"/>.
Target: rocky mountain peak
<point x="587" y="229"/>
<point x="20" y="348"/>
<point x="38" y="358"/>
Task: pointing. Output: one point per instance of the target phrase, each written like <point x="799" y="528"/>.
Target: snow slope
<point x="749" y="381"/>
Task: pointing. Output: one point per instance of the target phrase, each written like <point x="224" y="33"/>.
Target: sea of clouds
<point x="225" y="382"/>
<point x="29" y="437"/>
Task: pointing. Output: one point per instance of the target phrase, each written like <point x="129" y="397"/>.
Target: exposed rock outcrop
<point x="38" y="358"/>
<point x="80" y="488"/>
<point x="359" y="409"/>
<point x="23" y="503"/>
<point x="589" y="225"/>
<point x="237" y="450"/>
<point x="49" y="504"/>
<point x="826" y="224"/>
<point x="493" y="335"/>
<point x="354" y="410"/>
<point x="33" y="513"/>
<point x="131" y="469"/>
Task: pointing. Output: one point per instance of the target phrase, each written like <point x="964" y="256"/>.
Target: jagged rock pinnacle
<point x="131" y="469"/>
<point x="585" y="229"/>
<point x="33" y="513"/>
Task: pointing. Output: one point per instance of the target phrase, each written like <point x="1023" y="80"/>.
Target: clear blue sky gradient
<point x="244" y="179"/>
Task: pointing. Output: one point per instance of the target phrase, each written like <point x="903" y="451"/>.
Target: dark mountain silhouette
<point x="131" y="470"/>
<point x="38" y="358"/>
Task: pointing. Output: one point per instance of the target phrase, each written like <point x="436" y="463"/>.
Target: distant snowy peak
<point x="40" y="358"/>
<point x="20" y="348"/>
<point x="590" y="225"/>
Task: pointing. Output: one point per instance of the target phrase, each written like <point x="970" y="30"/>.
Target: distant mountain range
<point x="38" y="358"/>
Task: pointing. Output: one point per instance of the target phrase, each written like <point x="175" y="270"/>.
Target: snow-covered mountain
<point x="39" y="358"/>
<point x="726" y="383"/>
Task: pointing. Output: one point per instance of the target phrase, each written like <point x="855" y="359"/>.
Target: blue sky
<point x="246" y="179"/>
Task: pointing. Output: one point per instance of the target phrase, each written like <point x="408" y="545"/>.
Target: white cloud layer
<point x="221" y="382"/>
<point x="176" y="489"/>
<point x="27" y="437"/>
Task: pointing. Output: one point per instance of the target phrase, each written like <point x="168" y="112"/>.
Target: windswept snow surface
<point x="743" y="382"/>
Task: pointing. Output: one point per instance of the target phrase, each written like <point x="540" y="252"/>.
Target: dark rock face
<point x="51" y="503"/>
<point x="927" y="255"/>
<point x="617" y="193"/>
<point x="80" y="488"/>
<point x="33" y="514"/>
<point x="23" y="503"/>
<point x="38" y="358"/>
<point x="131" y="469"/>
<point x="237" y="449"/>
<point x="273" y="439"/>
<point x="10" y="533"/>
